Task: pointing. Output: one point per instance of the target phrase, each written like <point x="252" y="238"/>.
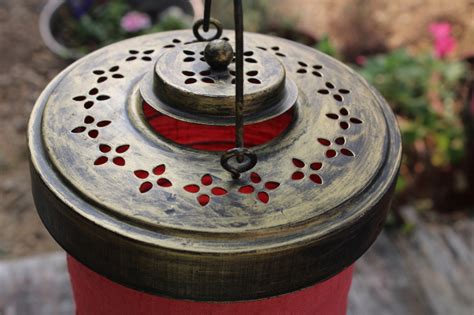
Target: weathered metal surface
<point x="184" y="86"/>
<point x="319" y="192"/>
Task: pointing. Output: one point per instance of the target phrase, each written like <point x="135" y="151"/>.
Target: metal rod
<point x="239" y="74"/>
<point x="246" y="158"/>
<point x="207" y="15"/>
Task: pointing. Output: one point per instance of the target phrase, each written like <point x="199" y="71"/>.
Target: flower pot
<point x="155" y="8"/>
<point x="49" y="20"/>
<point x="52" y="22"/>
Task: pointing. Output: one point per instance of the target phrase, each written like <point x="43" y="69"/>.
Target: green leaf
<point x="324" y="45"/>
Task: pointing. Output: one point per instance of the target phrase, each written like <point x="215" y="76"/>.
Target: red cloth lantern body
<point x="95" y="294"/>
<point x="129" y="175"/>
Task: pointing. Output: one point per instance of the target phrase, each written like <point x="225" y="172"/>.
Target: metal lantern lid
<point x="167" y="219"/>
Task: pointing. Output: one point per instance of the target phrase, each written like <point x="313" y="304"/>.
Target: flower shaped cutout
<point x="107" y="150"/>
<point x="206" y="189"/>
<point x="256" y="186"/>
<point x="174" y="42"/>
<point x="157" y="171"/>
<point x="190" y="56"/>
<point x="103" y="74"/>
<point x="251" y="77"/>
<point x="345" y="120"/>
<point x="275" y="49"/>
<point x="89" y="125"/>
<point x="336" y="93"/>
<point x="304" y="68"/>
<point x="299" y="173"/>
<point x="89" y="99"/>
<point x="143" y="55"/>
<point x="205" y="76"/>
<point x="338" y="142"/>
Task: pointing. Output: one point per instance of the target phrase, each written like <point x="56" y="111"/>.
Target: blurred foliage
<point x="424" y="93"/>
<point x="259" y="16"/>
<point x="325" y="45"/>
<point x="101" y="26"/>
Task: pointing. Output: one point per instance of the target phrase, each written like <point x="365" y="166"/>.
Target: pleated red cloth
<point x="96" y="295"/>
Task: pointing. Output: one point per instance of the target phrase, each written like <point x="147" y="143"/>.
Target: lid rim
<point x="183" y="267"/>
<point x="42" y="167"/>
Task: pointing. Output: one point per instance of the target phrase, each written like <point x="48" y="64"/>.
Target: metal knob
<point x="218" y="54"/>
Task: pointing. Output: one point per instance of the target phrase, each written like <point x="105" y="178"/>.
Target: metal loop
<point x="246" y="159"/>
<point x="200" y="23"/>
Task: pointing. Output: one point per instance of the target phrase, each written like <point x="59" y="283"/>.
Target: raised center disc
<point x="186" y="87"/>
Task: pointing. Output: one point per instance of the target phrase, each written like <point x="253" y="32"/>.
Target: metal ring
<point x="239" y="154"/>
<point x="200" y="23"/>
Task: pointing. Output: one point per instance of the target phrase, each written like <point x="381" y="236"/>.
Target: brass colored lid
<point x="186" y="87"/>
<point x="315" y="201"/>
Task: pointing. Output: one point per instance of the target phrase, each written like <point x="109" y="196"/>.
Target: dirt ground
<point x="26" y="66"/>
<point x="360" y="26"/>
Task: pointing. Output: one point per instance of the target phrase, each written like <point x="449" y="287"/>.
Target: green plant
<point x="424" y="93"/>
<point x="325" y="45"/>
<point x="261" y="16"/>
<point x="103" y="24"/>
<point x="167" y="23"/>
<point x="258" y="15"/>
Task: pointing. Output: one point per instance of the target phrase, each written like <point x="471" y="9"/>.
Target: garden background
<point x="418" y="53"/>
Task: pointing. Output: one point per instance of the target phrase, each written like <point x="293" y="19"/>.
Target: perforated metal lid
<point x="184" y="86"/>
<point x="167" y="219"/>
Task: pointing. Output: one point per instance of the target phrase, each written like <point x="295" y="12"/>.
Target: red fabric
<point x="95" y="294"/>
<point x="215" y="138"/>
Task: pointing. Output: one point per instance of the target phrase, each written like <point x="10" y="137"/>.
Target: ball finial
<point x="218" y="54"/>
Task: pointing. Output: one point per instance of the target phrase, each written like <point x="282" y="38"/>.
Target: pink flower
<point x="440" y="30"/>
<point x="361" y="60"/>
<point x="444" y="43"/>
<point x="135" y="21"/>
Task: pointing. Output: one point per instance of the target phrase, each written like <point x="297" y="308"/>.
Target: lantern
<point x="183" y="177"/>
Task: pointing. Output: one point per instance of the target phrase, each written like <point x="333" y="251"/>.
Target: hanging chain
<point x="244" y="158"/>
